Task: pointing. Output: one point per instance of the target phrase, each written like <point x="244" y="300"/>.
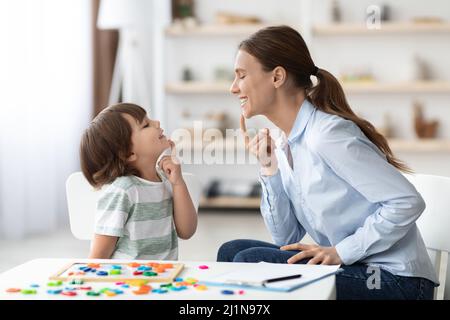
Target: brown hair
<point x="106" y="145"/>
<point x="283" y="46"/>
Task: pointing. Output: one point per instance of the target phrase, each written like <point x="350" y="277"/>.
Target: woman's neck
<point x="285" y="110"/>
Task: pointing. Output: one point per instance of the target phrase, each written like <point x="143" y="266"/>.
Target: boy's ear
<point x="279" y="76"/>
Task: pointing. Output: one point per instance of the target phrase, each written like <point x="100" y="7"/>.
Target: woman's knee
<point x="258" y="254"/>
<point x="250" y="255"/>
<point x="229" y="249"/>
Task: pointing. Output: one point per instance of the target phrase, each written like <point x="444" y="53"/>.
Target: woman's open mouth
<point x="243" y="101"/>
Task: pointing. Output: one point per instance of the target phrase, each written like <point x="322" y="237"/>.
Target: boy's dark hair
<point x="106" y="144"/>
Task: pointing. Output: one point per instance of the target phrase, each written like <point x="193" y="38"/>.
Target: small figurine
<point x="183" y="14"/>
<point x="336" y="12"/>
<point x="223" y="74"/>
<point x="187" y="74"/>
<point x="424" y="129"/>
<point x="424" y="72"/>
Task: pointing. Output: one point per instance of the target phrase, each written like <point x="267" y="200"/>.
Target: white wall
<point x="389" y="56"/>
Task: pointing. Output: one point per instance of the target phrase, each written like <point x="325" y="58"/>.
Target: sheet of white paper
<point x="255" y="274"/>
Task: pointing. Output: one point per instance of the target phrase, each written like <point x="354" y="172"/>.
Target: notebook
<point x="255" y="276"/>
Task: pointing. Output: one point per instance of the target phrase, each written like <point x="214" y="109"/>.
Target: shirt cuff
<point x="349" y="250"/>
<point x="107" y="231"/>
<point x="272" y="185"/>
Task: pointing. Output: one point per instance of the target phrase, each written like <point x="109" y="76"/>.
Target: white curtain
<point x="45" y="102"/>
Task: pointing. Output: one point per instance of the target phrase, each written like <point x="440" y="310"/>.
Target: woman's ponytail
<point x="328" y="96"/>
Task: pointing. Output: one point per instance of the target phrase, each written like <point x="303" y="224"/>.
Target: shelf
<point x="420" y="145"/>
<point x="397" y="145"/>
<point x="198" y="87"/>
<point x="230" y="203"/>
<point x="386" y="28"/>
<point x="215" y="30"/>
<point x="397" y="87"/>
<point x="349" y="87"/>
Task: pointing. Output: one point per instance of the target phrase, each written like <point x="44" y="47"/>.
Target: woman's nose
<point x="234" y="89"/>
<point x="157" y="124"/>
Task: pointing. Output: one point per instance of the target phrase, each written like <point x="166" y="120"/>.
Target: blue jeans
<point x="351" y="283"/>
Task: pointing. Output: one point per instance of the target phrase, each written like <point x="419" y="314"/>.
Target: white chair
<point x="82" y="202"/>
<point x="434" y="223"/>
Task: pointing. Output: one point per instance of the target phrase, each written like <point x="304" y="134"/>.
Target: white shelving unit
<point x="214" y="30"/>
<point x="313" y="32"/>
<point x="386" y="28"/>
<point x="349" y="87"/>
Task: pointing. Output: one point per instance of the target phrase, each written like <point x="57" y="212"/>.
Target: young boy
<point x="141" y="212"/>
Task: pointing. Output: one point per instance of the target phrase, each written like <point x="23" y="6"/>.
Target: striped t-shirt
<point x="140" y="213"/>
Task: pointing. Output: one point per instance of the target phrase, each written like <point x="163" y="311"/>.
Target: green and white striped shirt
<point x="140" y="213"/>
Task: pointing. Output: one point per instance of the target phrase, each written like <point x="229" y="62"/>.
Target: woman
<point x="330" y="174"/>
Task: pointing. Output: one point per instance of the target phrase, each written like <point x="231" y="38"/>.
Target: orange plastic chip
<point x="143" y="290"/>
<point x="134" y="264"/>
<point x="153" y="264"/>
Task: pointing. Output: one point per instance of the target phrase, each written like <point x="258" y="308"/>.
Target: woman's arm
<point x="102" y="247"/>
<point x="276" y="207"/>
<point x="277" y="212"/>
<point x="357" y="161"/>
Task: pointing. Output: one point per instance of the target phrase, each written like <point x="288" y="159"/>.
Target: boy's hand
<point x="171" y="167"/>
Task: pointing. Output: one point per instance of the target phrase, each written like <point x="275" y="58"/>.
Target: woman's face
<point x="252" y="85"/>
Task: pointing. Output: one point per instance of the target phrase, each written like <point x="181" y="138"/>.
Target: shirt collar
<point x="303" y="116"/>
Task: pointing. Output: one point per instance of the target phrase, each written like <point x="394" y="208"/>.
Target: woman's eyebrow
<point x="239" y="70"/>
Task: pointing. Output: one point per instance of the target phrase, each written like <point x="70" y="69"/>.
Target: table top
<point x="38" y="272"/>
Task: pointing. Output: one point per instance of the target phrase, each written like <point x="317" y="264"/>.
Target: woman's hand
<point x="171" y="167"/>
<point x="318" y="255"/>
<point x="261" y="146"/>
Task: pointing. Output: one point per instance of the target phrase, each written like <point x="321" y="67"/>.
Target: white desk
<point x="38" y="272"/>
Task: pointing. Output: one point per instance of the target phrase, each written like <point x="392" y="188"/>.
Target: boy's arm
<point x="185" y="216"/>
<point x="184" y="213"/>
<point x="102" y="246"/>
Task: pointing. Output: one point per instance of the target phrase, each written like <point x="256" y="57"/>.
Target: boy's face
<point x="147" y="138"/>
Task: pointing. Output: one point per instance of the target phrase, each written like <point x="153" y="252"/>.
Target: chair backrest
<point x="82" y="202"/>
<point x="434" y="222"/>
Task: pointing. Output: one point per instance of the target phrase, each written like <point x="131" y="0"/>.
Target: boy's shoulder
<point x="124" y="183"/>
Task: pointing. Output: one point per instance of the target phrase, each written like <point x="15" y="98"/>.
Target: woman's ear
<point x="132" y="157"/>
<point x="279" y="76"/>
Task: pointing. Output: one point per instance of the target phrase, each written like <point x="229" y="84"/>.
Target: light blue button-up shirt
<point x="343" y="193"/>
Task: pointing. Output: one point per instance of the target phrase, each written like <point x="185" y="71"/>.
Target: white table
<point x="38" y="272"/>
